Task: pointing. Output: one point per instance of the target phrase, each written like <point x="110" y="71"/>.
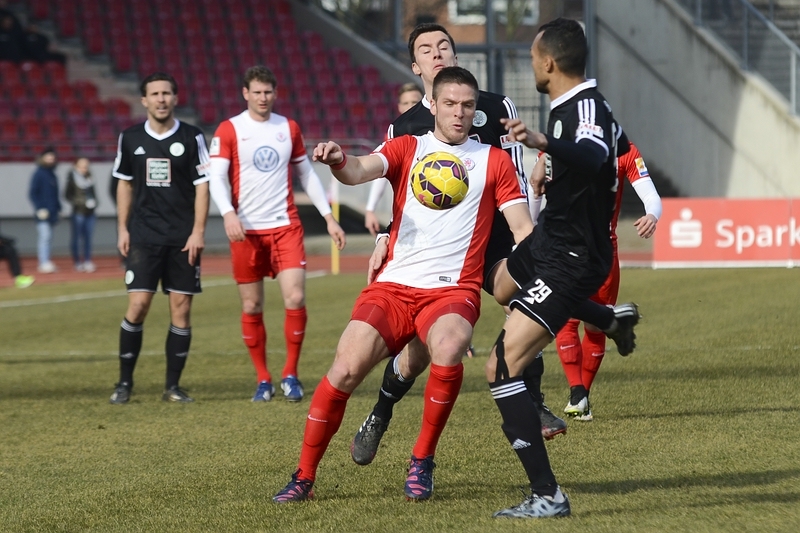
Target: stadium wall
<point x="715" y="130"/>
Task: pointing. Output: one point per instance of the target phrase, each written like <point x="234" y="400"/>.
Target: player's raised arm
<point x="350" y="171"/>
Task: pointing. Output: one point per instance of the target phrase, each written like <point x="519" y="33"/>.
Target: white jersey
<point x="259" y="155"/>
<point x="433" y="249"/>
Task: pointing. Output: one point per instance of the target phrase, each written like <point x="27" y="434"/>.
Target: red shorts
<point x="399" y="312"/>
<point x="607" y="294"/>
<point x="266" y="255"/>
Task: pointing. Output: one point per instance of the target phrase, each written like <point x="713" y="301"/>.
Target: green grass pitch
<point x="698" y="430"/>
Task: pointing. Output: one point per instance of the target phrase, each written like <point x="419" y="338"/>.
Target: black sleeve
<point x="582" y="156"/>
<point x="623" y="144"/>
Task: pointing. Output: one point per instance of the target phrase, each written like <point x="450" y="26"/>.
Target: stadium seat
<point x="57" y="130"/>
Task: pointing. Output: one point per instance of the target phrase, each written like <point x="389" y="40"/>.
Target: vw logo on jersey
<point x="480" y="119"/>
<point x="557" y="129"/>
<point x="266" y="159"/>
<point x="177" y="149"/>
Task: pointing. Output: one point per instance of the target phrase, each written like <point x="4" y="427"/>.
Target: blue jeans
<point x="82" y="229"/>
<point x="45" y="231"/>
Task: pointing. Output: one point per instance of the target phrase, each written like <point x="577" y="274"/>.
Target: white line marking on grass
<point x="111" y="294"/>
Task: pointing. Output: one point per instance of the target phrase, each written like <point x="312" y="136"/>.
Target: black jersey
<point x="486" y="126"/>
<point x="164" y="170"/>
<point x="580" y="200"/>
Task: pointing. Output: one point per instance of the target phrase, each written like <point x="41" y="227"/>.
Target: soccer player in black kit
<point x="568" y="256"/>
<point x="162" y="205"/>
<point x="432" y="48"/>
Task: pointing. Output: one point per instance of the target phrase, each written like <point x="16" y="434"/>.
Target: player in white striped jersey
<point x="430" y="284"/>
<point x="251" y="154"/>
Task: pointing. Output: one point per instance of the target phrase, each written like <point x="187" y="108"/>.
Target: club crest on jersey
<point x="280" y="136"/>
<point x="159" y="172"/>
<point x="177" y="149"/>
<point x="266" y="159"/>
<point x="468" y="163"/>
<point x="480" y="119"/>
<point x="557" y="127"/>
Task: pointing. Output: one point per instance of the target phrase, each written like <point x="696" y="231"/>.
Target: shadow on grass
<point x="727" y="413"/>
<point x="733" y="480"/>
<point x="705" y="502"/>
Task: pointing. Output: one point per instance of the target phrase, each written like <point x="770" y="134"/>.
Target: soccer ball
<point x="439" y="180"/>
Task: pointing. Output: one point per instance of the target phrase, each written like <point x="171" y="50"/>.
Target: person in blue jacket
<point x="43" y="195"/>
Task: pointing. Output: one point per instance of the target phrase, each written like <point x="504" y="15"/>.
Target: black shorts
<point x="501" y="241"/>
<point x="146" y="264"/>
<point x="553" y="283"/>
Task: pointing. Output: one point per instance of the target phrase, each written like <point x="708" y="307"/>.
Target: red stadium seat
<point x="9" y="130"/>
<point x="57" y="130"/>
<point x="118" y="108"/>
<point x="55" y="72"/>
<point x="40" y="9"/>
<point x="81" y="130"/>
<point x="33" y="72"/>
<point x="32" y="131"/>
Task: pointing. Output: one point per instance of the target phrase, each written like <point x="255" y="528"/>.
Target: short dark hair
<point x="158" y="76"/>
<point x="565" y="40"/>
<point x="259" y="73"/>
<point x="427" y="27"/>
<point x="457" y="75"/>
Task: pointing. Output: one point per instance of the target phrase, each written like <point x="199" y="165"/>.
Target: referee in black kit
<point x="162" y="206"/>
<point x="569" y="254"/>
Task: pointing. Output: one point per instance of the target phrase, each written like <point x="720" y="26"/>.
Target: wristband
<point x="380" y="236"/>
<point x="340" y="166"/>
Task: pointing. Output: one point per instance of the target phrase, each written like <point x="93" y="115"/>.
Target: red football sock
<point x="568" y="346"/>
<point x="324" y="418"/>
<point x="441" y="393"/>
<point x="255" y="338"/>
<point x="594" y="348"/>
<point x="294" y="328"/>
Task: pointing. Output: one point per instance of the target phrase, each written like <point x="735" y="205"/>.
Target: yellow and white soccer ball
<point x="439" y="180"/>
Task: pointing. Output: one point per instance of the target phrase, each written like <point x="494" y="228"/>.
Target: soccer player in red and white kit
<point x="430" y="283"/>
<point x="251" y="184"/>
<point x="581" y="358"/>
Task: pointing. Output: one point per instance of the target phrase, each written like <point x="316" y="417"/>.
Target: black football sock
<point x="523" y="429"/>
<point x="393" y="388"/>
<point x="130" y="344"/>
<point x="595" y="314"/>
<point x="532" y="375"/>
<point x="177" y="348"/>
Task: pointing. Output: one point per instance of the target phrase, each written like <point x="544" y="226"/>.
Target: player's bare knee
<point x="252" y="307"/>
<point x="294" y="300"/>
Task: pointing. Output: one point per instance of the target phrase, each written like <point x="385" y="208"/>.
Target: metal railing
<point x="755" y="39"/>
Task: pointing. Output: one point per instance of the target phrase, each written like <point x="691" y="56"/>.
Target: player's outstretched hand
<point x="377" y="258"/>
<point x="328" y="153"/>
<point x="194" y="244"/>
<point x="646" y="226"/>
<point x="337" y="234"/>
<point x="233" y="227"/>
<point x="371" y="222"/>
<point x="519" y="132"/>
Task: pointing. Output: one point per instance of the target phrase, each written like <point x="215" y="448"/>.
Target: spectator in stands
<point x="36" y="47"/>
<point x="9" y="252"/>
<point x="11" y="48"/>
<point x="81" y="195"/>
<point x="43" y="195"/>
<point x="408" y="96"/>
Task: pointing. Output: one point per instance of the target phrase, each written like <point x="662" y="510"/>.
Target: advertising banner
<point x="718" y="232"/>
